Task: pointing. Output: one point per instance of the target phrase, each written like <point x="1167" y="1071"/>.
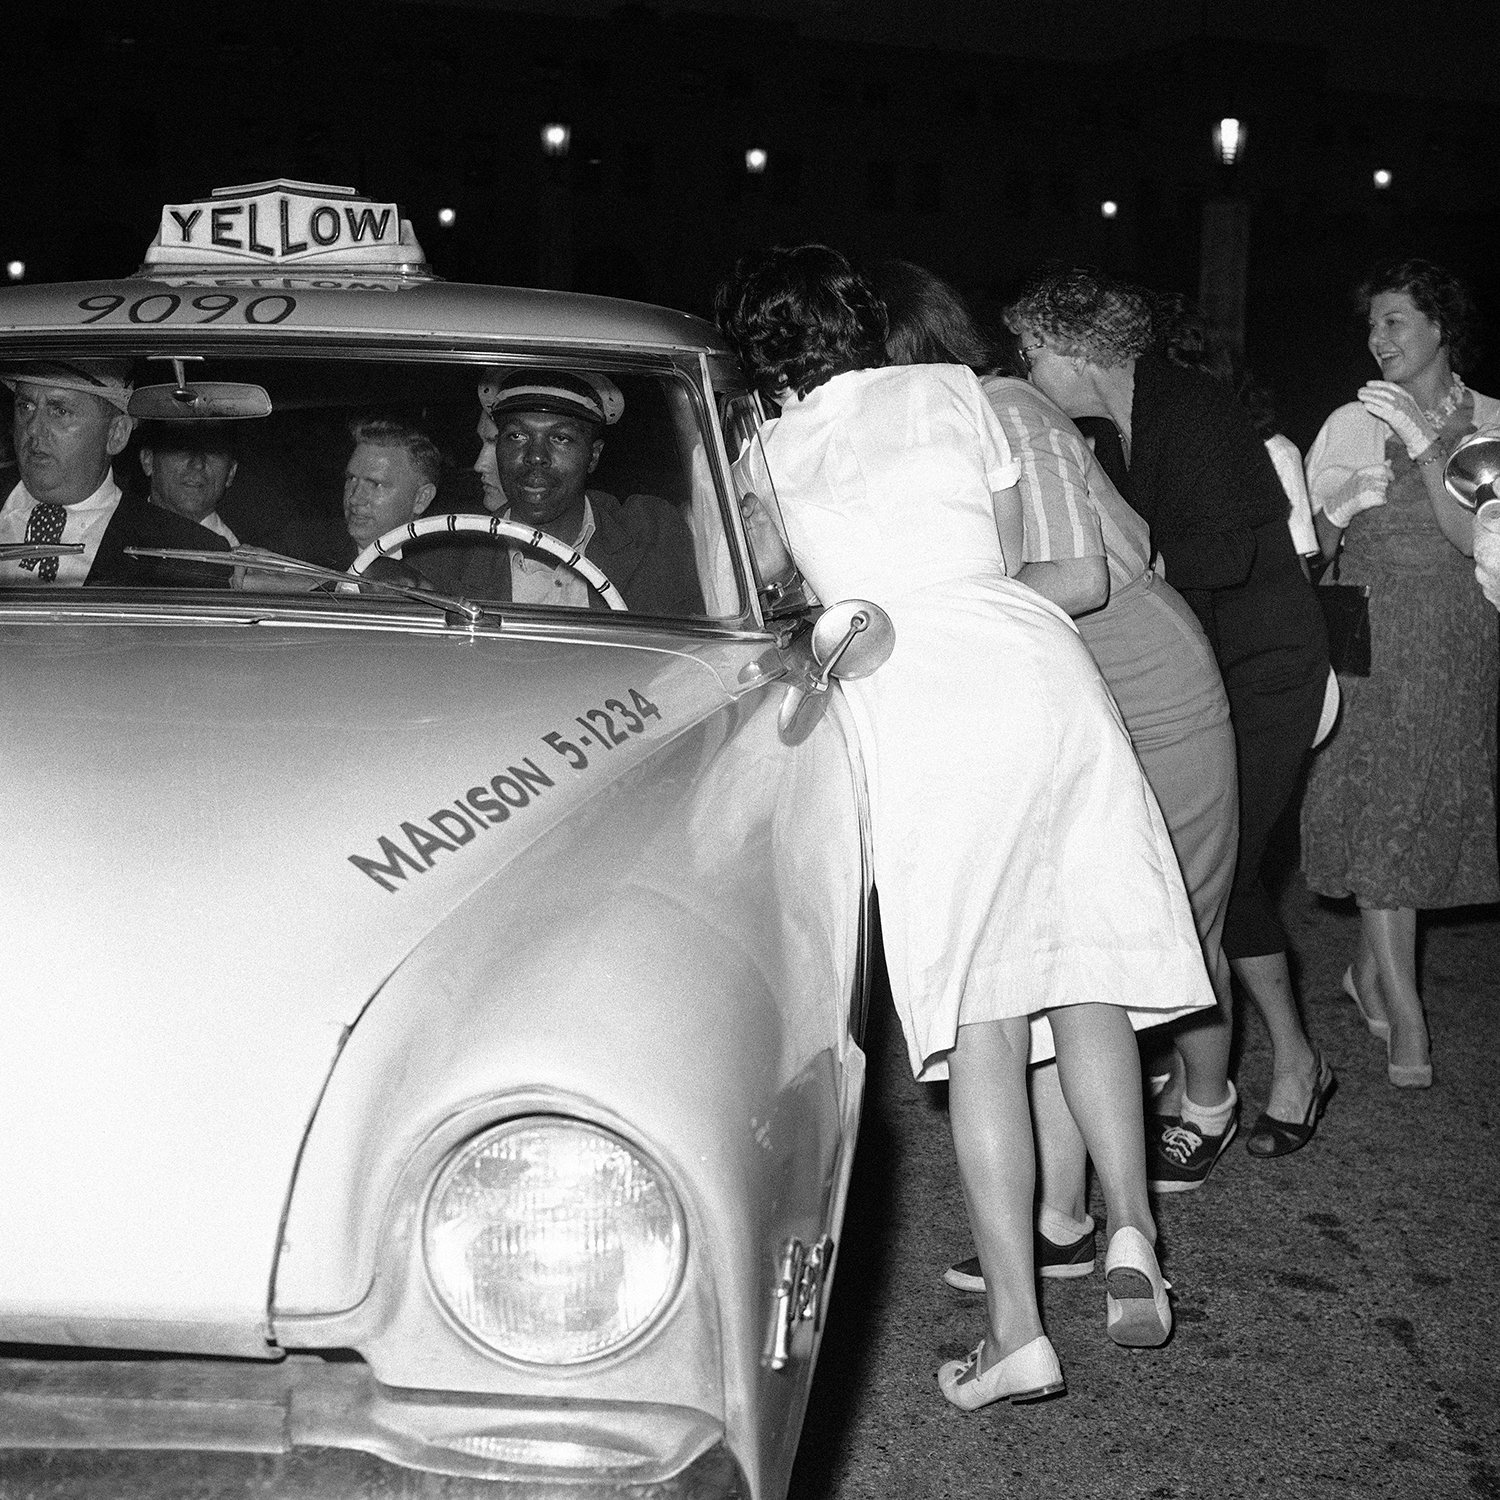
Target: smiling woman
<point x="1400" y="808"/>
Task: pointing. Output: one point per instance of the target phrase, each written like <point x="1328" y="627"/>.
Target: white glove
<point x="1363" y="490"/>
<point x="1487" y="550"/>
<point x="1386" y="400"/>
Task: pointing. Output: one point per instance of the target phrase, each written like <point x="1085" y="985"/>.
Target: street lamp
<point x="756" y="160"/>
<point x="446" y="217"/>
<point x="555" y="222"/>
<point x="1382" y="178"/>
<point x="1109" y="209"/>
<point x="1229" y="140"/>
<point x="1225" y="248"/>
<point x="15" y="269"/>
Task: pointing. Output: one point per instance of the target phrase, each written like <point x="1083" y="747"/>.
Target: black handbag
<point x="1346" y="614"/>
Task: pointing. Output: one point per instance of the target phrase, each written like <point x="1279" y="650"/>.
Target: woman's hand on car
<point x="771" y="555"/>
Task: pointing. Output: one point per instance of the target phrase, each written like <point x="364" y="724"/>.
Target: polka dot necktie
<point x="45" y="525"/>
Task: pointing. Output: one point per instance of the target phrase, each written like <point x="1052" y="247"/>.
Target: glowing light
<point x="1382" y="178"/>
<point x="446" y="217"/>
<point x="556" y="138"/>
<point x="756" y="159"/>
<point x="1229" y="140"/>
<point x="15" y="269"/>
<point x="1109" y="208"/>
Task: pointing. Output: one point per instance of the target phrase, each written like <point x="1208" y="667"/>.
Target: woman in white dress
<point x="1030" y="900"/>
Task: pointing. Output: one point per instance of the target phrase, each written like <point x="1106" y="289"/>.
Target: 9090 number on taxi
<point x="164" y="307"/>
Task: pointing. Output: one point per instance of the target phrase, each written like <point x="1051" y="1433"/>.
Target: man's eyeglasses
<point x="1027" y="350"/>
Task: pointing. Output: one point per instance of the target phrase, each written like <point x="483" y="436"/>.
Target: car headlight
<point x="552" y="1241"/>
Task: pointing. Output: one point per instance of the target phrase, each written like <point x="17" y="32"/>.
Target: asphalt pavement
<point x="1336" y="1327"/>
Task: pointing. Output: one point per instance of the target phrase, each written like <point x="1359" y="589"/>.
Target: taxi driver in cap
<point x="543" y="434"/>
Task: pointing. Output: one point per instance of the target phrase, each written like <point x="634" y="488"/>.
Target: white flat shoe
<point x="1029" y="1374"/>
<point x="1139" y="1315"/>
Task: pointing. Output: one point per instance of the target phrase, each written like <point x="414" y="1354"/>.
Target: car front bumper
<point x="74" y="1426"/>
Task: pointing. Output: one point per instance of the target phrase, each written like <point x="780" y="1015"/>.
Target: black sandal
<point x="1273" y="1137"/>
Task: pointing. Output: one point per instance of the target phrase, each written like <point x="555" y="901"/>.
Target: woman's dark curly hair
<point x="798" y="315"/>
<point x="1438" y="294"/>
<point x="929" y="323"/>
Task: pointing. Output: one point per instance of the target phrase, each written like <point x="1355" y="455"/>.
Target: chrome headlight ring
<point x="552" y="1241"/>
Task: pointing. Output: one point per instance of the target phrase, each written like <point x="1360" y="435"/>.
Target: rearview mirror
<point x="198" y="401"/>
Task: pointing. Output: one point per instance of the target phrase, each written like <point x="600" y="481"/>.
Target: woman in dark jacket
<point x="1200" y="476"/>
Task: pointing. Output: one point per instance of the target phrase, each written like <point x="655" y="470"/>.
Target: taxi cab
<point x="431" y="1012"/>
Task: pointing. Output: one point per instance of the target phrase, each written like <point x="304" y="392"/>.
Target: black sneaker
<point x="1179" y="1156"/>
<point x="1055" y="1262"/>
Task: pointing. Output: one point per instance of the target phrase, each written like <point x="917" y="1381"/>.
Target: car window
<point x="653" y="523"/>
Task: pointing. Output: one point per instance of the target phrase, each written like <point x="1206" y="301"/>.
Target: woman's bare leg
<point x="991" y="1122"/>
<point x="1061" y="1157"/>
<point x="1389" y="935"/>
<point x="1294" y="1064"/>
<point x="1099" y="1070"/>
<point x="1203" y="1044"/>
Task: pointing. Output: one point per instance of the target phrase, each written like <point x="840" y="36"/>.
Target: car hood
<point x="223" y="840"/>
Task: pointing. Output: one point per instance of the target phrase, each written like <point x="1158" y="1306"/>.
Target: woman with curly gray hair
<point x="1201" y="478"/>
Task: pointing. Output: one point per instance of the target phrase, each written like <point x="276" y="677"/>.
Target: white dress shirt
<point x="215" y="523"/>
<point x="85" y="522"/>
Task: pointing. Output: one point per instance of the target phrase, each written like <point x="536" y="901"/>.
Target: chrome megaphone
<point x="1472" y="473"/>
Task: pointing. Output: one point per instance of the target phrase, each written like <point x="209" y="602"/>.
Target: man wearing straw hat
<point x="71" y="420"/>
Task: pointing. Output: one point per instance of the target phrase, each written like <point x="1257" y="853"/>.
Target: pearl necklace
<point x="1440" y="413"/>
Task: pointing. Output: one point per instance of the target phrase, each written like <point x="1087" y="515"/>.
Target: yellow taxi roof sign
<point x="283" y="222"/>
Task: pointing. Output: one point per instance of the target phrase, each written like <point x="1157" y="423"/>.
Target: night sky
<point x="1426" y="50"/>
<point x="911" y="143"/>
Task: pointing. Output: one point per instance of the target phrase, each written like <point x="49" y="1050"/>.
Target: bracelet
<point x="1431" y="454"/>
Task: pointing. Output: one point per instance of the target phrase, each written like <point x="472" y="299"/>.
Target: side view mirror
<point x="1472" y="473"/>
<point x="852" y="639"/>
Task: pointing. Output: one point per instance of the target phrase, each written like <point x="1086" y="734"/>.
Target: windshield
<point x="112" y="472"/>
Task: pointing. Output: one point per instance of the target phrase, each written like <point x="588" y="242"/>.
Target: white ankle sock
<point x="1209" y="1119"/>
<point x="1061" y="1228"/>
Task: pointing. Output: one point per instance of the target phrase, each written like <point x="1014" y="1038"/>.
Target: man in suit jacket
<point x="70" y="422"/>
<point x="543" y="432"/>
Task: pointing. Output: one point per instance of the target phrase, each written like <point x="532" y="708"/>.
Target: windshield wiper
<point x="11" y="550"/>
<point x="457" y="611"/>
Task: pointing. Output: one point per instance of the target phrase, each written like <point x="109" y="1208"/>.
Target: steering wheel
<point x="494" y="529"/>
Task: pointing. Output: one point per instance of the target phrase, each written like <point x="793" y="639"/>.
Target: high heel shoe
<point x="1138" y="1313"/>
<point x="1273" y="1137"/>
<point x="1377" y="1026"/>
<point x="1407" y="1075"/>
<point x="1029" y="1374"/>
